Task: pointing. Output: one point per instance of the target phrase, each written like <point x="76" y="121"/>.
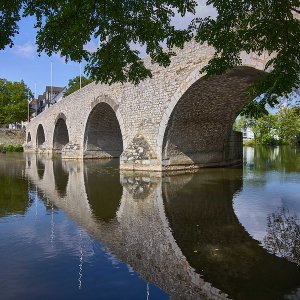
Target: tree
<point x="265" y="130"/>
<point x="288" y="125"/>
<point x="280" y="128"/>
<point x="13" y="101"/>
<point x="241" y="25"/>
<point x="256" y="26"/>
<point x="243" y="123"/>
<point x="74" y="84"/>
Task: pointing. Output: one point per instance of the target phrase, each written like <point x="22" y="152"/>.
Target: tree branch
<point x="295" y="10"/>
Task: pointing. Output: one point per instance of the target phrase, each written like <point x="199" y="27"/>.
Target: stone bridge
<point x="175" y="120"/>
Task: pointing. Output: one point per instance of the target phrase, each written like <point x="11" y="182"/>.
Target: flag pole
<point x="80" y="75"/>
<point x="36" y="101"/>
<point x="51" y="84"/>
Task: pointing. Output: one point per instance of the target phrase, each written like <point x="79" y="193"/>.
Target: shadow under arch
<point x="61" y="177"/>
<point x="28" y="137"/>
<point x="102" y="137"/>
<point x="61" y="134"/>
<point x="40" y="136"/>
<point x="216" y="245"/>
<point x="199" y="120"/>
<point x="103" y="188"/>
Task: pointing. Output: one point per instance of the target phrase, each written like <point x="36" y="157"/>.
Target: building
<point x="51" y="96"/>
<point x="58" y="95"/>
<point x="247" y="133"/>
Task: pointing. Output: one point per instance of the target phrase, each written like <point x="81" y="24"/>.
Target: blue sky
<point x="23" y="62"/>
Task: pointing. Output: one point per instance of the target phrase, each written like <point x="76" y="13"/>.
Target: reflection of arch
<point x="28" y="162"/>
<point x="197" y="123"/>
<point x="28" y="137"/>
<point x="103" y="189"/>
<point x="40" y="165"/>
<point x="61" y="134"/>
<point x="217" y="246"/>
<point x="61" y="177"/>
<point x="102" y="137"/>
<point x="40" y="136"/>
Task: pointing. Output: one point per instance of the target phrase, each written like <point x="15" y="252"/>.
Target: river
<point x="84" y="230"/>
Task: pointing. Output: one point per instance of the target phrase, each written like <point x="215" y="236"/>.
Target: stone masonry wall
<point x="12" y="136"/>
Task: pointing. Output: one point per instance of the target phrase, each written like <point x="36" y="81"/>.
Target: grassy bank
<point x="11" y="148"/>
<point x="249" y="143"/>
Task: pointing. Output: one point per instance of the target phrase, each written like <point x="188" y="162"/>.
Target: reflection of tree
<point x="283" y="158"/>
<point x="13" y="196"/>
<point x="283" y="235"/>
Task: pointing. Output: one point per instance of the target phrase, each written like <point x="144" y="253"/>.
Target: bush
<point x="11" y="148"/>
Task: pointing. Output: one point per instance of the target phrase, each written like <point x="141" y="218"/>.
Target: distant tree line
<point x="282" y="127"/>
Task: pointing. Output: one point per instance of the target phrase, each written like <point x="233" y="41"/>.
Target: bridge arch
<point x="197" y="124"/>
<point x="61" y="133"/>
<point x="103" y="137"/>
<point x="40" y="136"/>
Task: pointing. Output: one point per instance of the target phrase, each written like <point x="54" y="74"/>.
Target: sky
<point x="21" y="62"/>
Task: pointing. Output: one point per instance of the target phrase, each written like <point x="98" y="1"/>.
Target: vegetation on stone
<point x="13" y="101"/>
<point x="65" y="27"/>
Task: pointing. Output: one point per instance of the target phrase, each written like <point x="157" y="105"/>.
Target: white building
<point x="247" y="134"/>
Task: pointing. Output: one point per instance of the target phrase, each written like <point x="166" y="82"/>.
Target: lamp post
<point x="36" y="100"/>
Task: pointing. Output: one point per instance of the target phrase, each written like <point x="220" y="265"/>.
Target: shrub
<point x="11" y="148"/>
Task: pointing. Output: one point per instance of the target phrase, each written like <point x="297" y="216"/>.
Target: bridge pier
<point x="71" y="151"/>
<point x="140" y="156"/>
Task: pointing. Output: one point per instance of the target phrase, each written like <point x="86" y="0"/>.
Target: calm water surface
<point x="83" y="230"/>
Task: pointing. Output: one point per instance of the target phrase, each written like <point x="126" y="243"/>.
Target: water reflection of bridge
<point x="166" y="233"/>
